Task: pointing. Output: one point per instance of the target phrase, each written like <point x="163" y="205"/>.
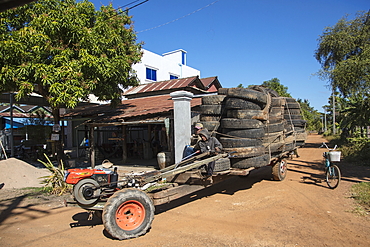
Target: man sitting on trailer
<point x="189" y="149"/>
<point x="210" y="144"/>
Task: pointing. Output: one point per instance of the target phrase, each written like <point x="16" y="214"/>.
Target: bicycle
<point x="332" y="172"/>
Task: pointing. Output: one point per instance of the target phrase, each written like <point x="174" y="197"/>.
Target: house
<point x="168" y="66"/>
<point x="142" y="125"/>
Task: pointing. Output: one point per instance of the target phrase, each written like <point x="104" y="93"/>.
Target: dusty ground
<point x="249" y="211"/>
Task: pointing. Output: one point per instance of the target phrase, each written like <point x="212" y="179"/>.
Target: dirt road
<point x="249" y="211"/>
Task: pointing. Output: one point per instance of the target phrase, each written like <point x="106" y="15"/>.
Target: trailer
<point x="127" y="205"/>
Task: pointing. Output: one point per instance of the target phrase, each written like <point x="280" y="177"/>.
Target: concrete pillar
<point x="182" y="121"/>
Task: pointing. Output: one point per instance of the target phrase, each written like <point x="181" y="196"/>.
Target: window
<point x="151" y="74"/>
<point x="173" y="77"/>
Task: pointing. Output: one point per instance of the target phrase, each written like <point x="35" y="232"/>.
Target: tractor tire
<point x="272" y="128"/>
<point x="83" y="192"/>
<point x="128" y="214"/>
<point x="279" y="170"/>
<point x="211" y="125"/>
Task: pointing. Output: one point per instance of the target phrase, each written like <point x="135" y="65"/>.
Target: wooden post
<point x="124" y="144"/>
<point x="92" y="147"/>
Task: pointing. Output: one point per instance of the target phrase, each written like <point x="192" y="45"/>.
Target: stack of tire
<point x="295" y="124"/>
<point x="252" y="124"/>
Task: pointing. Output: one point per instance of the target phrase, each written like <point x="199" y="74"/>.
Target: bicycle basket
<point x="334" y="156"/>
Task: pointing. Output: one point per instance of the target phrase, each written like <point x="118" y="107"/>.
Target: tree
<point x="275" y="85"/>
<point x="312" y="116"/>
<point x="344" y="54"/>
<point x="65" y="50"/>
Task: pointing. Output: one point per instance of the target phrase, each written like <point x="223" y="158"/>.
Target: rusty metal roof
<point x="129" y="109"/>
<point x="211" y="84"/>
<point x="173" y="84"/>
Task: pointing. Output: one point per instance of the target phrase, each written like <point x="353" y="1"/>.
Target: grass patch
<point x="361" y="193"/>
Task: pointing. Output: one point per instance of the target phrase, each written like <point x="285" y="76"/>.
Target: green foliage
<point x="54" y="183"/>
<point x="65" y="50"/>
<point x="361" y="193"/>
<point x="275" y="85"/>
<point x="312" y="116"/>
<point x="344" y="54"/>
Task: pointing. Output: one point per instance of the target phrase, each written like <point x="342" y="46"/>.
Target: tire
<point x="279" y="170"/>
<point x="273" y="137"/>
<point x="277" y="101"/>
<point x="272" y="128"/>
<point x="211" y="125"/>
<point x="275" y="147"/>
<point x="222" y="164"/>
<point x="333" y="176"/>
<point x="291" y="116"/>
<point x="213" y="99"/>
<point x="210" y="109"/>
<point x="298" y="122"/>
<point x="209" y="118"/>
<point x="292" y="111"/>
<point x="83" y="192"/>
<point x="245" y="152"/>
<point x="258" y="161"/>
<point x="293" y="105"/>
<point x="245" y="114"/>
<point x="239" y="142"/>
<point x="237" y="103"/>
<point x="236" y="123"/>
<point x="128" y="214"/>
<point x="244" y="93"/>
<point x="276" y="111"/>
<point x="245" y="133"/>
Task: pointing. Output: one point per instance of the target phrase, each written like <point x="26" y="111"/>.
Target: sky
<point x="244" y="41"/>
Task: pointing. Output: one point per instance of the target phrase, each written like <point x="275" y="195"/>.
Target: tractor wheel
<point x="279" y="170"/>
<point x="84" y="193"/>
<point x="128" y="214"/>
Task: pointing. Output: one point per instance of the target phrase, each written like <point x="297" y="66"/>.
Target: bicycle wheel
<point x="333" y="176"/>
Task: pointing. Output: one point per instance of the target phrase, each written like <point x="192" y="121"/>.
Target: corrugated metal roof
<point x="130" y="108"/>
<point x="163" y="85"/>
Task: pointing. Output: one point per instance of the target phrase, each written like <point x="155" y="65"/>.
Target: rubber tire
<point x="277" y="101"/>
<point x="237" y="103"/>
<point x="291" y="116"/>
<point x="279" y="170"/>
<point x="236" y="123"/>
<point x="272" y="128"/>
<point x="211" y="125"/>
<point x="213" y="99"/>
<point x="137" y="205"/>
<point x="244" y="114"/>
<point x="245" y="133"/>
<point x="258" y="161"/>
<point x="239" y="142"/>
<point x="337" y="178"/>
<point x="293" y="105"/>
<point x="222" y="164"/>
<point x="245" y="93"/>
<point x="210" y="109"/>
<point x="209" y="118"/>
<point x="245" y="152"/>
<point x="77" y="191"/>
<point x="292" y="111"/>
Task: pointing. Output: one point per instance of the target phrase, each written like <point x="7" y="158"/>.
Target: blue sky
<point x="245" y="41"/>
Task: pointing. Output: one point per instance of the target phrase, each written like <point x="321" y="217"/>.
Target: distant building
<point x="168" y="66"/>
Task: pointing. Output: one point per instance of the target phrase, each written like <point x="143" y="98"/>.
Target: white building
<point x="168" y="66"/>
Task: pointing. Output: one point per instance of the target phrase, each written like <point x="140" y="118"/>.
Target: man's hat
<point x="198" y="126"/>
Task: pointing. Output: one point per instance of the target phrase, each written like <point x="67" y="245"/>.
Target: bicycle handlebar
<point x="324" y="145"/>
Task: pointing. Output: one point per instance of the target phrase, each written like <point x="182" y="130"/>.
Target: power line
<point x="179" y="18"/>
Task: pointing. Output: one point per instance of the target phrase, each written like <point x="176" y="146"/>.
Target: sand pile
<point x="16" y="173"/>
